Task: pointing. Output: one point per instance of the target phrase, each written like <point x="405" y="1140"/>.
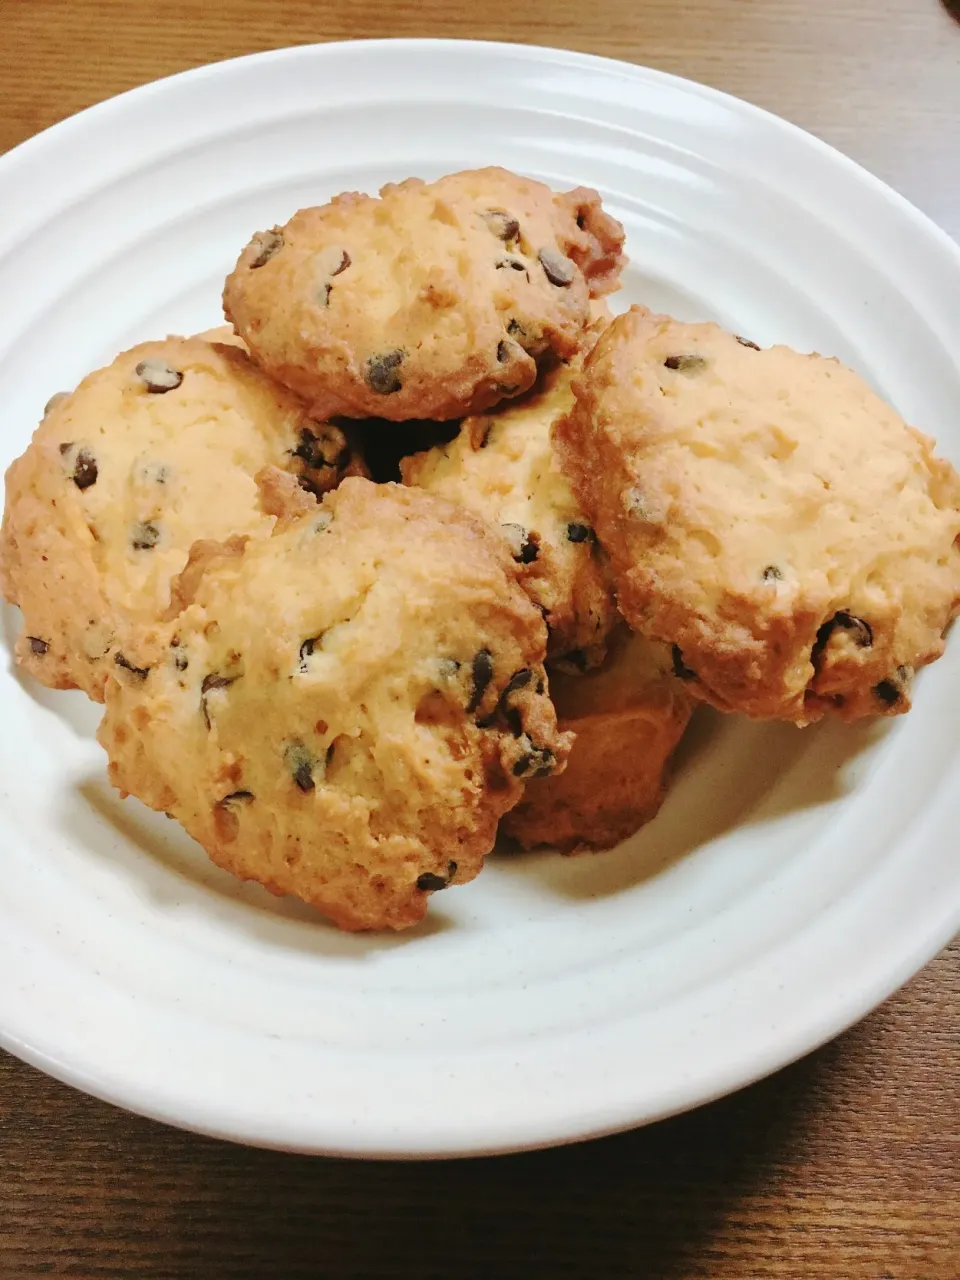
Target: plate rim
<point x="541" y="53"/>
<point x="844" y="1013"/>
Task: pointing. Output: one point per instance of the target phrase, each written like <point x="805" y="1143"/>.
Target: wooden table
<point x="843" y="1167"/>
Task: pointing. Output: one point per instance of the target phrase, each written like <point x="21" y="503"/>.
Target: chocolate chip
<point x="58" y="397"/>
<point x="179" y="657"/>
<point x="324" y="447"/>
<point x="381" y="372"/>
<point x="145" y="537"/>
<point x="579" y="532"/>
<point x="234" y="799"/>
<point x="892" y="689"/>
<point x="745" y="342"/>
<point x="216" y="682"/>
<point x="65" y="447"/>
<point x="38" y="646"/>
<point x="84" y="469"/>
<point x="680" y="668"/>
<point x="141" y="673"/>
<point x="212" y="682"/>
<point x="862" y="634"/>
<point x="266" y="243"/>
<point x="514" y="264"/>
<point x="685" y="364"/>
<point x="306" y="650"/>
<point x="503" y="225"/>
<point x="301" y="764"/>
<point x="519" y="680"/>
<point x="516" y="329"/>
<point x="329" y="263"/>
<point x="536" y="762"/>
<point x="332" y="260"/>
<point x="772" y="574"/>
<point x="158" y="376"/>
<point x="862" y="631"/>
<point x="887" y="692"/>
<point x="429" y="881"/>
<point x="524" y="546"/>
<point x="482" y="673"/>
<point x="558" y="269"/>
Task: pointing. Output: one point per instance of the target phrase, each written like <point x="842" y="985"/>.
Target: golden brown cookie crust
<point x="501" y="466"/>
<point x="627" y="718"/>
<point x="122" y="476"/>
<point x="767" y="515"/>
<point x="343" y="711"/>
<point x="434" y="301"/>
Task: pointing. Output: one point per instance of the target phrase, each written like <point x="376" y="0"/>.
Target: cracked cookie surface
<point x="345" y="710"/>
<point x="767" y="515"/>
<point x="433" y="301"/>
<point x="149" y="454"/>
<point x="502" y="467"/>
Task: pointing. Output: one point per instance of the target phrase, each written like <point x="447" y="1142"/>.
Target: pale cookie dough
<point x="345" y="710"/>
<point x="767" y="515"/>
<point x="434" y="301"/>
<point x="122" y="476"/>
<point x="502" y="467"/>
<point x="627" y="718"/>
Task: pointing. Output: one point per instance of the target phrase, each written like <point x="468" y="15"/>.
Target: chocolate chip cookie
<point x="627" y="717"/>
<point x="122" y="476"/>
<point x="501" y="466"/>
<point x="434" y="301"/>
<point x="345" y="710"/>
<point x="767" y="515"/>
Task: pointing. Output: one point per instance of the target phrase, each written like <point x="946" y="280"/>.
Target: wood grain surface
<point x="845" y="1166"/>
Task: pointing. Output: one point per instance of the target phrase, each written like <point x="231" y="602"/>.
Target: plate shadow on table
<point x="661" y="1203"/>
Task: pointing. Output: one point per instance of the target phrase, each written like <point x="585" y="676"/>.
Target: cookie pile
<point x="427" y="544"/>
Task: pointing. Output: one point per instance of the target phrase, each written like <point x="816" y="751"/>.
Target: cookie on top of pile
<point x="435" y="300"/>
<point x="427" y="544"/>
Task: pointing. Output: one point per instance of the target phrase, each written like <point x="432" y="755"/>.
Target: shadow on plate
<point x="728" y="773"/>
<point x="158" y="855"/>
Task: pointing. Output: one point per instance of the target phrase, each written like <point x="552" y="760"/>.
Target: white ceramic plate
<point x="793" y="879"/>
